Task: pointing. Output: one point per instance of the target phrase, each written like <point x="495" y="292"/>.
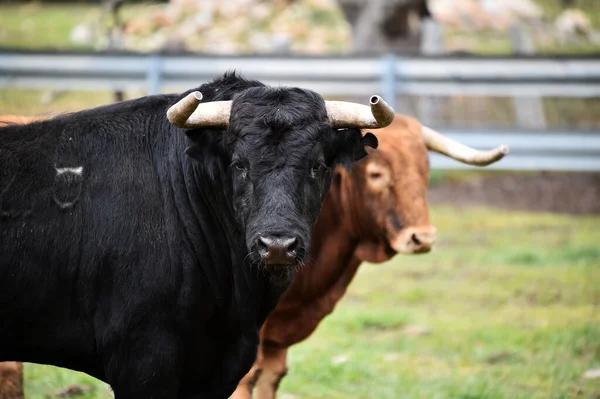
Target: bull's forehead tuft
<point x="279" y="108"/>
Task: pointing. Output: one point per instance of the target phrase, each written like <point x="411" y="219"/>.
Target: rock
<point x="71" y="390"/>
<point x="484" y="14"/>
<point x="573" y="22"/>
<point x="241" y="26"/>
<point x="83" y="34"/>
<point x="340" y="359"/>
<point x="260" y="11"/>
<point x="174" y="45"/>
<point x="499" y="357"/>
<point x="391" y="357"/>
<point x="592" y="374"/>
<point x="416" y="331"/>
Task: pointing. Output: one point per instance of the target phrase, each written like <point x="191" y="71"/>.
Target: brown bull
<point x="371" y="213"/>
<point x="6" y="119"/>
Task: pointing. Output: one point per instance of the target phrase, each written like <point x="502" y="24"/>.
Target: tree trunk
<point x="385" y="25"/>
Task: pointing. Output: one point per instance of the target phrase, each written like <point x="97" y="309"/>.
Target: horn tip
<point x="198" y="96"/>
<point x="499" y="153"/>
<point x="381" y="110"/>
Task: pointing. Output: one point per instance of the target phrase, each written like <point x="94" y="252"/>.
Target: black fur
<point x="139" y="271"/>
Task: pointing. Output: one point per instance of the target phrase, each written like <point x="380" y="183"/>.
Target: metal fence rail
<point x="342" y="76"/>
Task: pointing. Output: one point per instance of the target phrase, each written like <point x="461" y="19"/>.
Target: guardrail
<point x="342" y="76"/>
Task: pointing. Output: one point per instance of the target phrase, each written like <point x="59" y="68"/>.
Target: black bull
<point x="138" y="252"/>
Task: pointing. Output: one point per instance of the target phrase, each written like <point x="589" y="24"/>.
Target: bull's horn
<point x="446" y="146"/>
<point x="344" y="114"/>
<point x="189" y="113"/>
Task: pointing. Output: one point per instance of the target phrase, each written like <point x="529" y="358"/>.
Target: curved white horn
<point x="189" y="113"/>
<point x="343" y="114"/>
<point x="439" y="143"/>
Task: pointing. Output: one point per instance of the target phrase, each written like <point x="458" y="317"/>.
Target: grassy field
<point x="49" y="26"/>
<point x="511" y="301"/>
<point x="31" y="102"/>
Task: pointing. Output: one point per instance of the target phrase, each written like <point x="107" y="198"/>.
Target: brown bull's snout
<point x="415" y="240"/>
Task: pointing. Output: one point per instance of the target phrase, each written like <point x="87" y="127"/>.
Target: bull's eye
<point x="317" y="169"/>
<point x="378" y="176"/>
<point x="239" y="167"/>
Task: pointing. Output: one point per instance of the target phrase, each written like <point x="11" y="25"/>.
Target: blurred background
<point x="508" y="303"/>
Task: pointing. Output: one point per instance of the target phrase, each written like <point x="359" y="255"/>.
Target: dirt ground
<point x="570" y="193"/>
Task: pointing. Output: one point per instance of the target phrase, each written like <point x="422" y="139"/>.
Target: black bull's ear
<point x="207" y="149"/>
<point x="349" y="145"/>
<point x="369" y="139"/>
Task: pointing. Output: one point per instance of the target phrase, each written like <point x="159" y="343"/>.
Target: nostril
<point x="263" y="244"/>
<point x="291" y="244"/>
<point x="415" y="239"/>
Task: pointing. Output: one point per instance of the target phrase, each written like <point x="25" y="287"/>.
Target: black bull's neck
<point x="243" y="294"/>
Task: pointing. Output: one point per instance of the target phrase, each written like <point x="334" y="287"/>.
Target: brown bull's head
<point x="21" y="120"/>
<point x="386" y="193"/>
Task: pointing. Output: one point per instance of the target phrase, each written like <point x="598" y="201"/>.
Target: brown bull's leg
<point x="246" y="385"/>
<point x="11" y="380"/>
<point x="274" y="368"/>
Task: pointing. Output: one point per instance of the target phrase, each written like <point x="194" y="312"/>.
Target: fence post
<point x="388" y="79"/>
<point x="153" y="75"/>
<point x="432" y="43"/>
<point x="529" y="110"/>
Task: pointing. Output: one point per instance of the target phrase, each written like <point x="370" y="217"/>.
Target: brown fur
<point x="6" y="119"/>
<point x="11" y="380"/>
<point x="354" y="226"/>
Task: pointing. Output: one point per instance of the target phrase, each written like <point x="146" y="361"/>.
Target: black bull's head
<point x="281" y="146"/>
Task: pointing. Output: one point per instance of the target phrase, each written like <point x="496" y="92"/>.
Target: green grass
<point x="49" y="26"/>
<point x="511" y="299"/>
<point x="30" y="102"/>
<point x="33" y="25"/>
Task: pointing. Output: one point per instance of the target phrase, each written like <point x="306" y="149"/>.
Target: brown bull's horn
<point x="189" y="113"/>
<point x="344" y="114"/>
<point x="446" y="146"/>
